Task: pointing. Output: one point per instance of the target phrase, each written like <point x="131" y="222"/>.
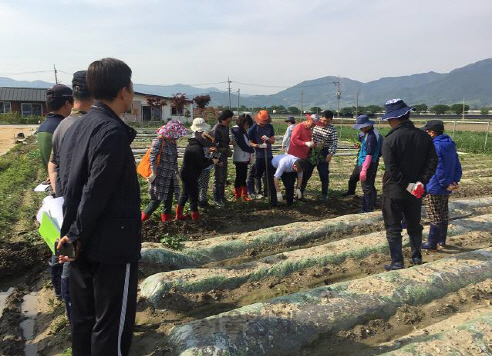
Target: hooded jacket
<point x="194" y="160"/>
<point x="409" y="157"/>
<point x="448" y="166"/>
<point x="100" y="187"/>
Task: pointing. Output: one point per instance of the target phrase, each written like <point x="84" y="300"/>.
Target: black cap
<point x="291" y="119"/>
<point x="79" y="84"/>
<point x="59" y="91"/>
<point x="434" y="125"/>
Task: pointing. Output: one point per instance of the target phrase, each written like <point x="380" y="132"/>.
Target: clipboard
<point x="49" y="231"/>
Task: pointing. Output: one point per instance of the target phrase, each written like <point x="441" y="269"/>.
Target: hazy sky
<point x="269" y="42"/>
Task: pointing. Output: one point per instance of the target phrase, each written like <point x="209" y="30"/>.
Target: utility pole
<point x="238" y="94"/>
<point x="357" y="104"/>
<point x="302" y="108"/>
<point x="339" y="95"/>
<point x="463" y="113"/>
<point x="229" y="90"/>
<point x="56" y="76"/>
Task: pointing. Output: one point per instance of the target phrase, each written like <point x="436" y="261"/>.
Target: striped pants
<point x="104" y="300"/>
<point x="436" y="207"/>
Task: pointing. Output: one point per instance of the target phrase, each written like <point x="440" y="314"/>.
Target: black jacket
<point x="194" y="161"/>
<point x="409" y="156"/>
<point x="100" y="187"/>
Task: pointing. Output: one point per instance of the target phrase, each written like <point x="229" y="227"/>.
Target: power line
<point x="34" y="72"/>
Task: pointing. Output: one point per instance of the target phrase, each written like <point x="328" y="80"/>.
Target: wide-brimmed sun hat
<point x="434" y="125"/>
<point x="199" y="125"/>
<point x="362" y="121"/>
<point x="172" y="130"/>
<point x="395" y="108"/>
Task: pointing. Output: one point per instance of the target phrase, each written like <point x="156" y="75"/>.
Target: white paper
<point x="54" y="208"/>
<point x="41" y="188"/>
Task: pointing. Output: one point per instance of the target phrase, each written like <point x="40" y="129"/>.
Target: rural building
<point x="24" y="101"/>
<point x="142" y="111"/>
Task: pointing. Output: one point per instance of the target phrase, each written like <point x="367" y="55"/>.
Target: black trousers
<point x="394" y="210"/>
<point x="167" y="205"/>
<point x="354" y="178"/>
<point x="241" y="174"/>
<point x="104" y="299"/>
<point x="190" y="191"/>
<point x="220" y="181"/>
<point x="289" y="180"/>
<point x="368" y="188"/>
<point x="268" y="170"/>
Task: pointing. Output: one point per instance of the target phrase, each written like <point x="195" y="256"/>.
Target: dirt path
<point x="8" y="132"/>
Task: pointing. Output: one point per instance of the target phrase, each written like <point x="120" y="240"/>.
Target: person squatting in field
<point x="163" y="181"/>
<point x="441" y="185"/>
<point x="288" y="168"/>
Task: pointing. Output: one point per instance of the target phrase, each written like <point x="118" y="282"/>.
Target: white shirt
<point x="284" y="163"/>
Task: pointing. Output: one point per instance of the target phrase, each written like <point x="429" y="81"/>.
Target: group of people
<point x="85" y="146"/>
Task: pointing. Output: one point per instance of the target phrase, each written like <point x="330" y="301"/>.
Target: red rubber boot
<point x="166" y="217"/>
<point x="145" y="216"/>
<point x="195" y="215"/>
<point x="244" y="191"/>
<point x="179" y="213"/>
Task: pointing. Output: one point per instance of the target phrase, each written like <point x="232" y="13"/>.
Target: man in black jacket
<point x="410" y="161"/>
<point x="102" y="215"/>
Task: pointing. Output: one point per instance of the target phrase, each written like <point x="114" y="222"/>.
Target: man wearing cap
<point x="325" y="146"/>
<point x="441" y="185"/>
<point x="368" y="160"/>
<point x="410" y="161"/>
<point x="59" y="101"/>
<point x="221" y="134"/>
<point x="82" y="101"/>
<point x="261" y="137"/>
<point x="288" y="168"/>
<point x="291" y="121"/>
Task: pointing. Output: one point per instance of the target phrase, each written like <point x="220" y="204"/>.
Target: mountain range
<point x="470" y="83"/>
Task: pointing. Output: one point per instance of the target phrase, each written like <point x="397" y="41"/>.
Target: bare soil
<point x="8" y="132"/>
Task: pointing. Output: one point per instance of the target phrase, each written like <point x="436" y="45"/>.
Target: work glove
<point x="416" y="189"/>
<point x="309" y="144"/>
<point x="263" y="145"/>
<point x="298" y="193"/>
<point x="279" y="197"/>
<point x="152" y="177"/>
<point x="363" y="175"/>
<point x="265" y="138"/>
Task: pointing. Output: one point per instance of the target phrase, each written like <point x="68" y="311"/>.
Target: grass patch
<point x="22" y="168"/>
<point x="174" y="242"/>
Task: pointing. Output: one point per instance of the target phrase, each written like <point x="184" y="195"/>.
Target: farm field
<point x="306" y="280"/>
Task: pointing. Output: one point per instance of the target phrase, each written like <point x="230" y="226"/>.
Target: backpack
<point x="144" y="168"/>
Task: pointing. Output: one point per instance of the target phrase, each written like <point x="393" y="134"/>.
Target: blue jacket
<point x="371" y="145"/>
<point x="448" y="166"/>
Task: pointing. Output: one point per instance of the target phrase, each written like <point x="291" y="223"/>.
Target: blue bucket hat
<point x="395" y="108"/>
<point x="362" y="121"/>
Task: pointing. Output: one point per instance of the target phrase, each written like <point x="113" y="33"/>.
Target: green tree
<point x="421" y="108"/>
<point x="347" y="110"/>
<point x="458" y="108"/>
<point x="294" y="110"/>
<point x="315" y="110"/>
<point x="372" y="109"/>
<point x="484" y="111"/>
<point x="439" y="109"/>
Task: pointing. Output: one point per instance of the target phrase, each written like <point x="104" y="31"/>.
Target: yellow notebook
<point x="49" y="231"/>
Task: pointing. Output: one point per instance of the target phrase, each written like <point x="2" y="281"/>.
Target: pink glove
<point x="365" y="167"/>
